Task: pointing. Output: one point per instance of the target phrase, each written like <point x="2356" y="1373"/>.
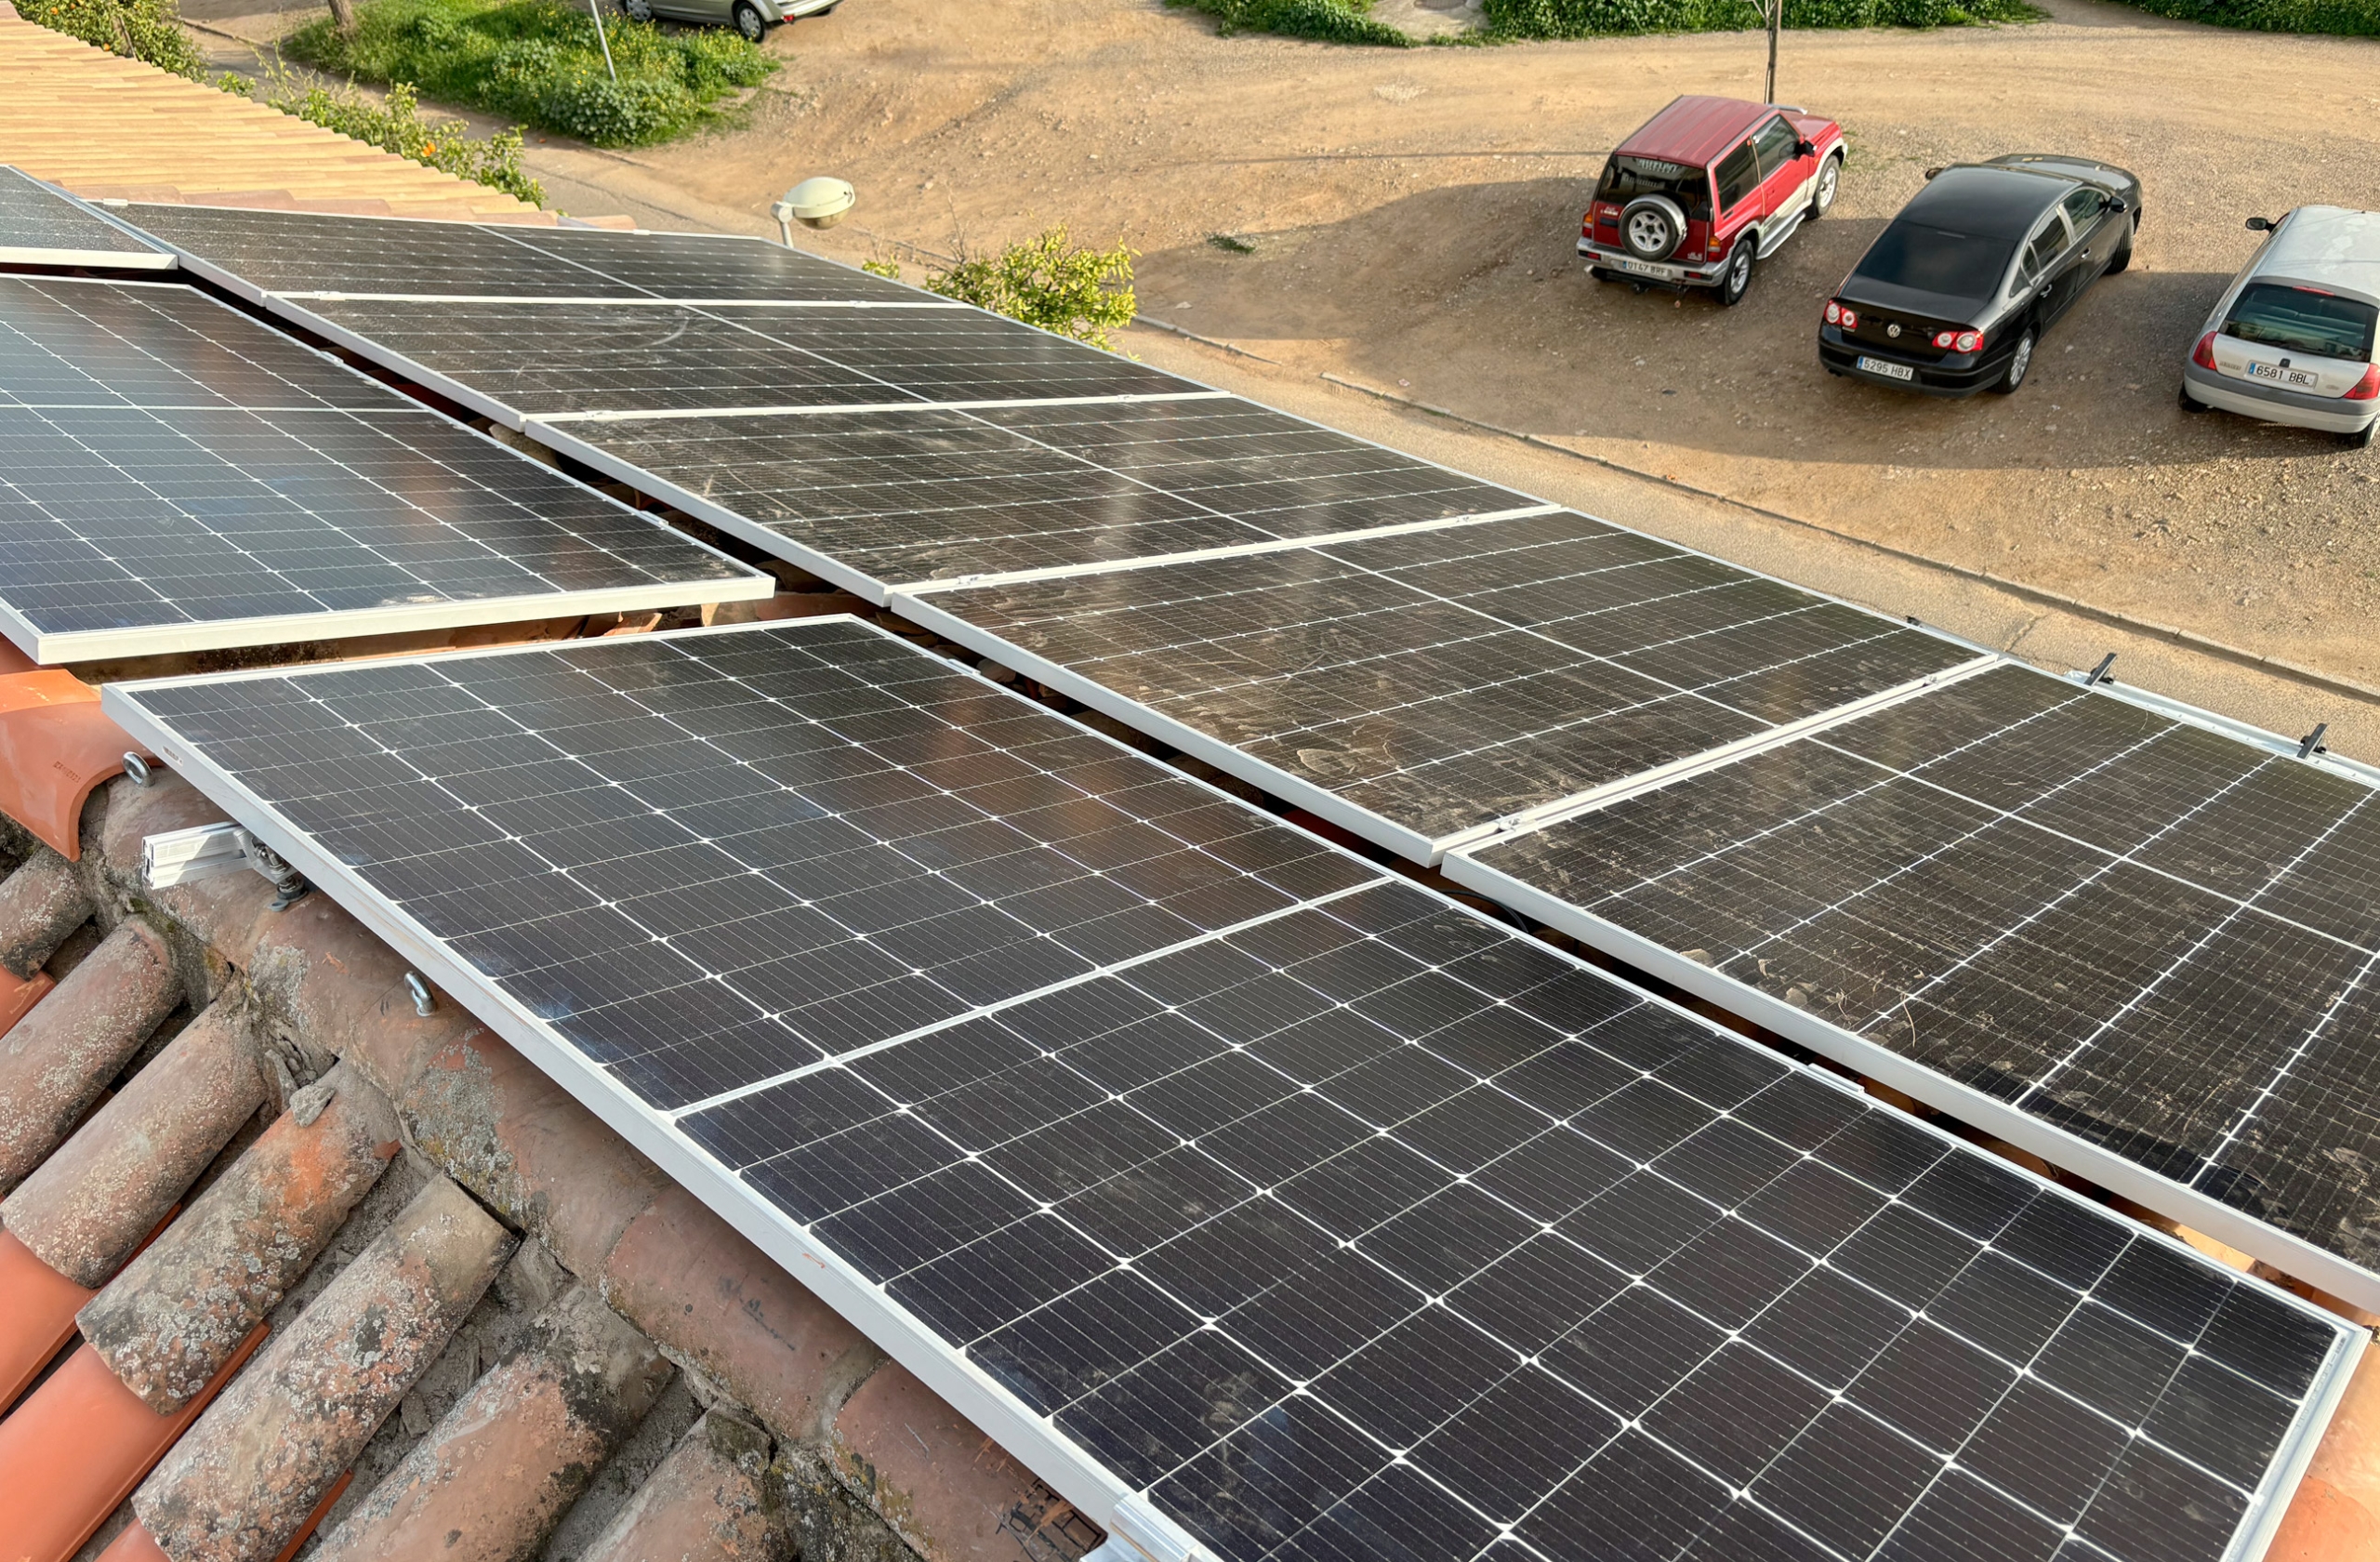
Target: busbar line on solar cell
<point x="177" y="477"/>
<point x="41" y="225"/>
<point x="843" y="1059"/>
<point x="2016" y="1369"/>
<point x="1414" y="694"/>
<point x="2134" y="944"/>
<point x="1538" y="1257"/>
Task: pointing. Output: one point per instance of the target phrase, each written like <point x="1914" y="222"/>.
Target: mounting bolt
<point x="137" y="768"/>
<point x="423" y="1004"/>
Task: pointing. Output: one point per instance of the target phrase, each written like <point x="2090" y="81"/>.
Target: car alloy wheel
<point x="2019" y="362"/>
<point x="1652" y="226"/>
<point x="1738" y="280"/>
<point x="1830" y="180"/>
<point x="748" y="22"/>
<point x="636" y="10"/>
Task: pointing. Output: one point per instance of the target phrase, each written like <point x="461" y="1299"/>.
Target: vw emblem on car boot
<point x="1892" y="330"/>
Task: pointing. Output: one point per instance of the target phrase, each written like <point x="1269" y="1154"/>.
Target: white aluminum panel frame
<point x="1073" y="1471"/>
<point x="155" y="258"/>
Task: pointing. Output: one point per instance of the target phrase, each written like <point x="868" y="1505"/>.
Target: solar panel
<point x="176" y="477"/>
<point x="1339" y="1222"/>
<point x="268" y="252"/>
<point x="533" y="360"/>
<point x="43" y="226"/>
<point x="1418" y="687"/>
<point x="2148" y="947"/>
<point x="881" y="500"/>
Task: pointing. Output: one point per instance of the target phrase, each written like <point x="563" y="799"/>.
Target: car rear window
<point x="2303" y="321"/>
<point x="1624" y="178"/>
<point x="1936" y="260"/>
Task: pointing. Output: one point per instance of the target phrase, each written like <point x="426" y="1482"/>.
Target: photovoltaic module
<point x="1265" y="1204"/>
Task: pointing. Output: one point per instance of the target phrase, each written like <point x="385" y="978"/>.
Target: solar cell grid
<point x="1429" y="682"/>
<point x="882" y="499"/>
<point x="176" y="477"/>
<point x="2142" y="932"/>
<point x="1347" y="1224"/>
<point x="39" y="226"/>
<point x="534" y="358"/>
<point x="306" y="252"/>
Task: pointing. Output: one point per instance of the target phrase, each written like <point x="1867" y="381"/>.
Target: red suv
<point x="1763" y="169"/>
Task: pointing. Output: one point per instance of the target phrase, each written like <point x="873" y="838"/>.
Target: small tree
<point x="1047" y="282"/>
<point x="343" y="17"/>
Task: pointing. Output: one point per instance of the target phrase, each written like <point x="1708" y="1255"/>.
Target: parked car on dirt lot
<point x="751" y="18"/>
<point x="2291" y="340"/>
<point x="1955" y="293"/>
<point x="1707" y="188"/>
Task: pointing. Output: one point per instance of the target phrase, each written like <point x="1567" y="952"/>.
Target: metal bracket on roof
<point x="136" y="768"/>
<point x="2099" y="674"/>
<point x="1150" y="1536"/>
<point x="2311" y="744"/>
<point x="184" y="856"/>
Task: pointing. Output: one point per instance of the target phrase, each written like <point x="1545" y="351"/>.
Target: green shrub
<point x="144" y="30"/>
<point x="397" y="126"/>
<point x="2354" y="18"/>
<point x="539" y="60"/>
<point x="1582" y="19"/>
<point x="1337" y="21"/>
<point x="1047" y="282"/>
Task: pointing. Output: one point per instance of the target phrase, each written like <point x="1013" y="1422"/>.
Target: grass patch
<point x="398" y="126"/>
<point x="149" y="31"/>
<point x="541" y="63"/>
<point x="1049" y="282"/>
<point x="1588" y="19"/>
<point x="1337" y="21"/>
<point x="2345" y="19"/>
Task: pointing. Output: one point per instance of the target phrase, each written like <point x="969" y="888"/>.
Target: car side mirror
<point x="2117" y="204"/>
<point x="1806" y="148"/>
<point x="2260" y="225"/>
<point x="1931" y="173"/>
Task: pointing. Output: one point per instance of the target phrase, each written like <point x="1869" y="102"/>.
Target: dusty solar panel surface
<point x="306" y="252"/>
<point x="2154" y="936"/>
<point x="1439" y="679"/>
<point x="40" y="226"/>
<point x="174" y="475"/>
<point x="911" y="497"/>
<point x="1330" y="1220"/>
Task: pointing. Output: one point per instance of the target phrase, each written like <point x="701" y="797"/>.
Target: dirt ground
<point x="1405" y="220"/>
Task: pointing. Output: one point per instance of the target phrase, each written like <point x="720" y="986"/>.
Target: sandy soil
<point x="1409" y="221"/>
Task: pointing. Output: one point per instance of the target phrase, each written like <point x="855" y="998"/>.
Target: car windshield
<point x="2303" y="321"/>
<point x="1624" y="178"/>
<point x="1936" y="260"/>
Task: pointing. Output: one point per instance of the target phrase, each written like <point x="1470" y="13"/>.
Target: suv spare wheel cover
<point x="1652" y="226"/>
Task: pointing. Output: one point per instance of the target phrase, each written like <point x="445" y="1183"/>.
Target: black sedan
<point x="1955" y="293"/>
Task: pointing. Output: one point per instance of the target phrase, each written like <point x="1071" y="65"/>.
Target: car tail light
<point x="1833" y="312"/>
<point x="1839" y="313"/>
<point x="1944" y="339"/>
<point x="1970" y="341"/>
<point x="2368" y="386"/>
<point x="2203" y="353"/>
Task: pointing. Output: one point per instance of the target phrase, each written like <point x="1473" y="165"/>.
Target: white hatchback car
<point x="2291" y="340"/>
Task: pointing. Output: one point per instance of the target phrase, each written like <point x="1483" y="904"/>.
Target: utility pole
<point x="1776" y="23"/>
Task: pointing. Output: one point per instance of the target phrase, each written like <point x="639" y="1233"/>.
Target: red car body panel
<point x="1695" y="130"/>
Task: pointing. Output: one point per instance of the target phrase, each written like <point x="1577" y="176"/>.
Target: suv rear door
<point x="1736" y="176"/>
<point x="1784" y="173"/>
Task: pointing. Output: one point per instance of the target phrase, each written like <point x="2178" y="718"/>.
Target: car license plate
<point x="2279" y="376"/>
<point x="1890" y="371"/>
<point x="1647" y="268"/>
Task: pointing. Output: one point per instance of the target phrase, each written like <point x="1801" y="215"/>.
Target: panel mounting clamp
<point x="184" y="856"/>
<point x="2311" y="744"/>
<point x="2099" y="674"/>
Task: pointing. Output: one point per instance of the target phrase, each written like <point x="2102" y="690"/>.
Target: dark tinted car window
<point x="1775" y="141"/>
<point x="2047" y="245"/>
<point x="1934" y="261"/>
<point x="2303" y="321"/>
<point x="1624" y="178"/>
<point x="1739" y="176"/>
<point x="2082" y="207"/>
